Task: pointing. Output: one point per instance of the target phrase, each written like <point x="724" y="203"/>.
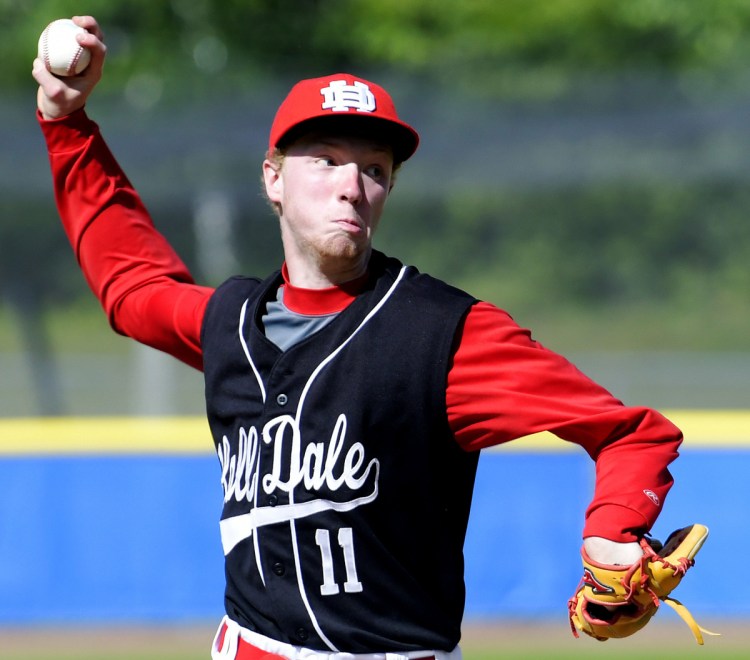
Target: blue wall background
<point x="86" y="539"/>
<point x="524" y="535"/>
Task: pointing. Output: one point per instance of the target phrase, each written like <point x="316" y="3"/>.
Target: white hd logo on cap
<point x="340" y="97"/>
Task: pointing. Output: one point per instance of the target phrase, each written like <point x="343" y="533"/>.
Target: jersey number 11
<point x="346" y="542"/>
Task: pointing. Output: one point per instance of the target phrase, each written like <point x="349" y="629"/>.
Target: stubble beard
<point x="341" y="253"/>
<point x="339" y="257"/>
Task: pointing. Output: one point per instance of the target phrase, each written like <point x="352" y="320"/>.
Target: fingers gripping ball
<point x="617" y="601"/>
<point x="59" y="50"/>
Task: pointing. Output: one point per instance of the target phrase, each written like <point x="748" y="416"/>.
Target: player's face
<point x="331" y="192"/>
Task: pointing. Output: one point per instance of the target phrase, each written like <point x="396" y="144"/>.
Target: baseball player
<point x="348" y="395"/>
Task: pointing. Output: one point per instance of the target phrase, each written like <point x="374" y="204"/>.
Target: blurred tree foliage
<point x="497" y="47"/>
<point x="610" y="242"/>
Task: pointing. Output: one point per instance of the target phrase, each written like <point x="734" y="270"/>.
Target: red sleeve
<point x="144" y="287"/>
<point x="504" y="385"/>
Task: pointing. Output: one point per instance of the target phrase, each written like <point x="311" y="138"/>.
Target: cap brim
<point x="402" y="139"/>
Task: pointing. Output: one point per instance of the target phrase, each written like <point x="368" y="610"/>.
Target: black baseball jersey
<point x="346" y="498"/>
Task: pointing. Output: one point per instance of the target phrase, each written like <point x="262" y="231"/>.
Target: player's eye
<point x="376" y="171"/>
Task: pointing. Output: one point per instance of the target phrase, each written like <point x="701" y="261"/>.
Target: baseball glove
<point x="617" y="601"/>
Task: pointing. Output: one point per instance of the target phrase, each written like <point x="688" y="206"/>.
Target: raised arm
<point x="144" y="287"/>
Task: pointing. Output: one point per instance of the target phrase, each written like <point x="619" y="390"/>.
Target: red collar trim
<point x="318" y="302"/>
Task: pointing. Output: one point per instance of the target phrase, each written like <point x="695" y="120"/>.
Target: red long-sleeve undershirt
<point x="502" y="385"/>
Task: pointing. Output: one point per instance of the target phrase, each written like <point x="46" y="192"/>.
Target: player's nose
<point x="350" y="184"/>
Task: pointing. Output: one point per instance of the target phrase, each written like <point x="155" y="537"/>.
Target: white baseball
<point x="59" y="50"/>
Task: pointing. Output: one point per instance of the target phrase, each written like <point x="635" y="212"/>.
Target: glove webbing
<point x="683" y="563"/>
<point x="680" y="568"/>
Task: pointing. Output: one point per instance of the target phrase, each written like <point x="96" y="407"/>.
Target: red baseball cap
<point x="343" y="100"/>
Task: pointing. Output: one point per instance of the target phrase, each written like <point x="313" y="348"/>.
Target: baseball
<point x="59" y="50"/>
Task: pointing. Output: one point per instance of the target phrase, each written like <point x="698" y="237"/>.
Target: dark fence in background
<point x="197" y="166"/>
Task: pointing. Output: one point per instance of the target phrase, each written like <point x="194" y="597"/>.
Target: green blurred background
<point x="584" y="165"/>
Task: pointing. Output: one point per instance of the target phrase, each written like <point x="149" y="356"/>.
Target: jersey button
<point x="278" y="568"/>
<point x="302" y="634"/>
<point x="282" y="399"/>
<point x="272" y="500"/>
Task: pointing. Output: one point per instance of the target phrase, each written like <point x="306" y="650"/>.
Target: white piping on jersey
<point x="235" y="529"/>
<point x="367" y="318"/>
<point x="249" y="357"/>
<point x="246" y="348"/>
<point x="303" y="396"/>
<point x="256" y="545"/>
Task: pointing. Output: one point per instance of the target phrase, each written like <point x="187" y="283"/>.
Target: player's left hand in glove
<point x="617" y="601"/>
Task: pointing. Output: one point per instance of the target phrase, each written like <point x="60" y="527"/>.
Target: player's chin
<point x="346" y="247"/>
<point x="350" y="242"/>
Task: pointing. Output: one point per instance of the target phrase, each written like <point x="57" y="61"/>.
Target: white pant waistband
<point x="235" y="632"/>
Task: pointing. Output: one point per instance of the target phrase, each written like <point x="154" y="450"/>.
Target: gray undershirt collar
<point x="286" y="328"/>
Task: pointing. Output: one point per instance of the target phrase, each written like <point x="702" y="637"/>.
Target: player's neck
<point x="304" y="275"/>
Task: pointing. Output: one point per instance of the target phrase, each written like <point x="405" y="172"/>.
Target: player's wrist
<point x="66" y="133"/>
<point x="617" y="523"/>
<point x="611" y="553"/>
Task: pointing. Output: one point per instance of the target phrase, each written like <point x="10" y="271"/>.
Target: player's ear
<point x="273" y="181"/>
